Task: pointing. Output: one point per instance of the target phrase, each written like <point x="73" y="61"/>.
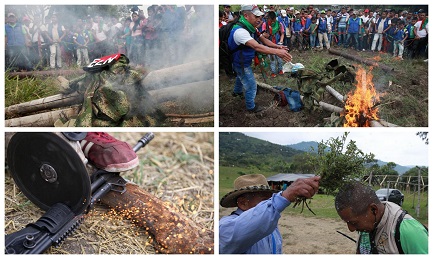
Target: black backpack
<point x="225" y="54"/>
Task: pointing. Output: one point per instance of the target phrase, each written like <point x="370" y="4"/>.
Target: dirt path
<point x="304" y="235"/>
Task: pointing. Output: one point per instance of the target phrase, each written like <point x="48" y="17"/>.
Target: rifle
<point x="59" y="221"/>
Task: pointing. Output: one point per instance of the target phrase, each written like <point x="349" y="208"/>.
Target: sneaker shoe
<point x="273" y="75"/>
<point x="107" y="153"/>
<point x="256" y="109"/>
<point x="281" y="72"/>
<point x="237" y="94"/>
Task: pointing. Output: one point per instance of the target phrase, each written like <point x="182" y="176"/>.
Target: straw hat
<point x="245" y="184"/>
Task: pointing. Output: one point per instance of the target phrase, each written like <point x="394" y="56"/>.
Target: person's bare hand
<point x="284" y="54"/>
<point x="306" y="188"/>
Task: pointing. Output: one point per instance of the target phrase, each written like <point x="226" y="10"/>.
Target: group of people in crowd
<point x="39" y="43"/>
<point x="402" y="33"/>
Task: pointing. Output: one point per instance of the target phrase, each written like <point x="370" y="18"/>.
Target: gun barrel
<point x="143" y="141"/>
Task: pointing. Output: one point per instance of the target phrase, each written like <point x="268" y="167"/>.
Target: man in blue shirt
<point x="253" y="227"/>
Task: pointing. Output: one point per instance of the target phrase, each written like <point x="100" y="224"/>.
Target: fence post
<point x="419" y="192"/>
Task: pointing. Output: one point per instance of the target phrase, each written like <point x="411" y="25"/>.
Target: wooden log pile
<point x="332" y="108"/>
<point x="361" y="60"/>
<point x="192" y="80"/>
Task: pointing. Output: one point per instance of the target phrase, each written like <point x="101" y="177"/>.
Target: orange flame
<point x="376" y="58"/>
<point x="359" y="108"/>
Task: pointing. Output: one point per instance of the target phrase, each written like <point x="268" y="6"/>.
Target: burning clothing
<point x="106" y="102"/>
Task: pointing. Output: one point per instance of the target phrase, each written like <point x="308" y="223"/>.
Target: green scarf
<point x="250" y="28"/>
<point x="275" y="27"/>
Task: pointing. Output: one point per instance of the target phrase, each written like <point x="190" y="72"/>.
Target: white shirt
<point x="100" y="35"/>
<point x="381" y="25"/>
<point x="421" y="33"/>
<point x="329" y="21"/>
<point x="37" y="30"/>
<point x="241" y="36"/>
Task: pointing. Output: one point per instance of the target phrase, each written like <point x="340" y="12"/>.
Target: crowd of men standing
<point x="398" y="32"/>
<point x="51" y="42"/>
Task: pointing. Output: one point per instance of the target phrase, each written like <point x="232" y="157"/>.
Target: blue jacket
<point x="385" y="25"/>
<point x="399" y="34"/>
<point x="354" y="25"/>
<point x="297" y="25"/>
<point x="15" y="35"/>
<point x="323" y="26"/>
<point x="243" y="55"/>
<point x="285" y="21"/>
<point x="254" y="231"/>
<point x="410" y="33"/>
<point x="59" y="30"/>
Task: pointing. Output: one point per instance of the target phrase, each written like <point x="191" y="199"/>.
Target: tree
<point x="388" y="169"/>
<point x="301" y="165"/>
<point x="339" y="162"/>
<point x="423" y="136"/>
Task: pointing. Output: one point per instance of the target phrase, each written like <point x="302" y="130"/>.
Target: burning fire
<point x="376" y="58"/>
<point x="359" y="107"/>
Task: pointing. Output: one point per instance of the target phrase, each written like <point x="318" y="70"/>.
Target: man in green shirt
<point x="384" y="228"/>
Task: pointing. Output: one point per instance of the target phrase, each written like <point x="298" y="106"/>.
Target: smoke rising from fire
<point x="176" y="35"/>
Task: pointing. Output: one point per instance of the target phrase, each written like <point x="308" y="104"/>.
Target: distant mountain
<point x="307" y="145"/>
<point x="399" y="168"/>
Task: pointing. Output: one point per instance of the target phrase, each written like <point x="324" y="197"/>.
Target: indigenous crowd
<point x="402" y="33"/>
<point x="37" y="43"/>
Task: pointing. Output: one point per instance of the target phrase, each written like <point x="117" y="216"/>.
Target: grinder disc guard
<point x="48" y="170"/>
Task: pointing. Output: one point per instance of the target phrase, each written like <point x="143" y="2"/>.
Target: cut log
<point x="329" y="107"/>
<point x="198" y="91"/>
<point x="334" y="93"/>
<point x="387" y="124"/>
<point x="361" y="60"/>
<point x="182" y="74"/>
<point x="173" y="232"/>
<point x="374" y="123"/>
<point x="208" y="114"/>
<point x="268" y="87"/>
<point x="63" y="82"/>
<point x="191" y="121"/>
<point x="47" y="103"/>
<point x="323" y="105"/>
<point x="45" y="119"/>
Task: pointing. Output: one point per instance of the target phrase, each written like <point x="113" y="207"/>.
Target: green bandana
<point x="247" y="24"/>
<point x="275" y="27"/>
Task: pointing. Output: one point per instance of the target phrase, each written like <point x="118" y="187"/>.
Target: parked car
<point x="393" y="195"/>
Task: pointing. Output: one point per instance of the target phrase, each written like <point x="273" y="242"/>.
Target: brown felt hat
<point x="245" y="184"/>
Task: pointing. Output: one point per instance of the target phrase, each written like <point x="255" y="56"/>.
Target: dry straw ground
<point x="175" y="167"/>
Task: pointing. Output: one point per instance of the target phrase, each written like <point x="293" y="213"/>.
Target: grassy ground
<point x="403" y="93"/>
<point x="27" y="89"/>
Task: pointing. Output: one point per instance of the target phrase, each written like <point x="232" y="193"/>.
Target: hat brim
<point x="230" y="199"/>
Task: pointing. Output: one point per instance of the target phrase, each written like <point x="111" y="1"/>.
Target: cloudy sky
<point x="404" y="148"/>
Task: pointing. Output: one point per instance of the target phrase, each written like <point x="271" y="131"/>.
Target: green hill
<point x="239" y="150"/>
